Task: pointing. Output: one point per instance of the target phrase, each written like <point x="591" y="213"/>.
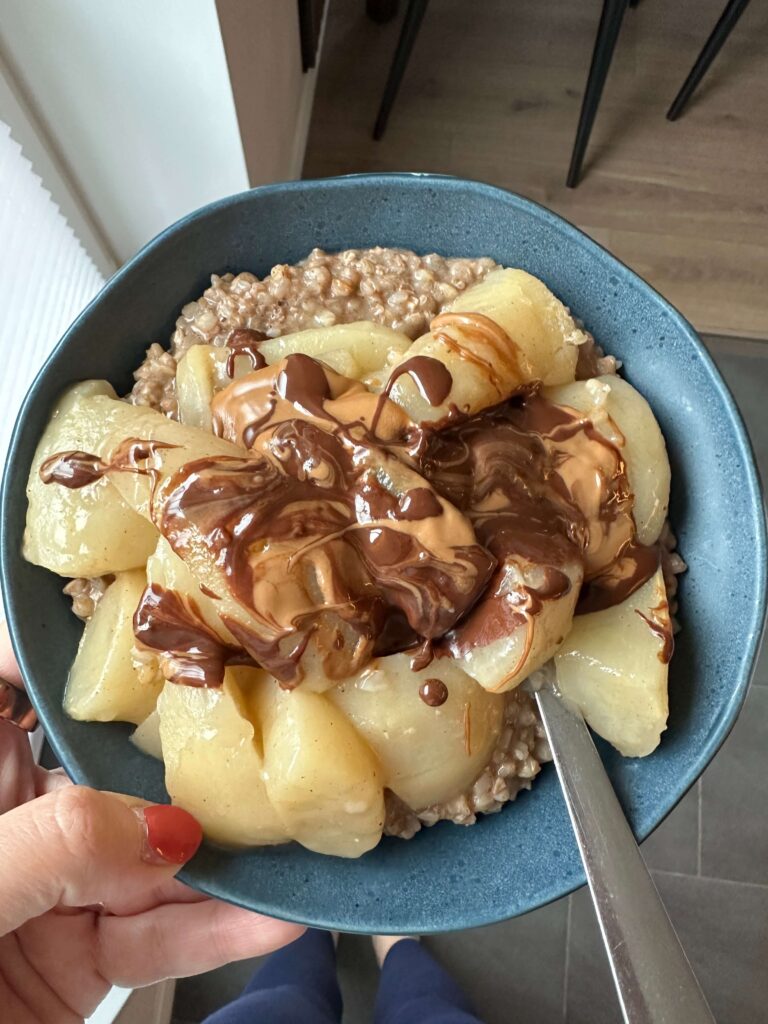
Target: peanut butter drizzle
<point x="540" y="485"/>
<point x="296" y="549"/>
<point x="476" y="331"/>
<point x="302" y="387"/>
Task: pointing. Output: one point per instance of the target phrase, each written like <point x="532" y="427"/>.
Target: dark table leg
<point x="413" y="18"/>
<point x="733" y="11"/>
<point x="381" y="11"/>
<point x="605" y="42"/>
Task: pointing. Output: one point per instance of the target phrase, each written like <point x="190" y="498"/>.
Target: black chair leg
<point x="605" y="43"/>
<point x="381" y="11"/>
<point x="733" y="11"/>
<point x="413" y="18"/>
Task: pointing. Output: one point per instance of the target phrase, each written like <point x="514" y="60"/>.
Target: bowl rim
<point x="734" y="703"/>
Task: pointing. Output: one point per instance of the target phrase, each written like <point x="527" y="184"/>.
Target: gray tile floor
<point x="710" y="862"/>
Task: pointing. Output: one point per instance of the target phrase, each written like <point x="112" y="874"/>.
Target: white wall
<point x="136" y="99"/>
<point x="273" y="96"/>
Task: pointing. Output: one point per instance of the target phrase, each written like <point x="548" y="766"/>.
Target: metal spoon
<point x="654" y="980"/>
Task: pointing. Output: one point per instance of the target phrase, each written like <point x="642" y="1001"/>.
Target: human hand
<point x="87" y="893"/>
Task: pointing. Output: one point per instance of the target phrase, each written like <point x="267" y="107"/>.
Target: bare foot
<point x="383" y="943"/>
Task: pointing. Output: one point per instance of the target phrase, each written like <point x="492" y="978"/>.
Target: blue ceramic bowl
<point x="447" y="877"/>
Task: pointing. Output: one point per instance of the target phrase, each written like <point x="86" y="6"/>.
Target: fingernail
<point x="171" y="834"/>
<point x="16" y="707"/>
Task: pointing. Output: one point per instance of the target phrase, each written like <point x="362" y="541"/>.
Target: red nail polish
<point x="173" y="835"/>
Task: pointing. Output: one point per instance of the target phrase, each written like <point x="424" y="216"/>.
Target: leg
<point x="414" y="989"/>
<point x="733" y="11"/>
<point x="297" y="983"/>
<point x="413" y="18"/>
<point x="605" y="42"/>
<point x="381" y="10"/>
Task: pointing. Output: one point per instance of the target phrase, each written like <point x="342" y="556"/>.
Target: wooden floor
<point x="493" y="92"/>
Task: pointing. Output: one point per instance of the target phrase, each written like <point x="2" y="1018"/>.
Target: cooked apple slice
<point x="342" y="361"/>
<point x="496" y="337"/>
<point x="621" y="413"/>
<point x="165" y="568"/>
<point x="503" y="333"/>
<point x="147" y="736"/>
<point x="535" y="319"/>
<point x="144" y="476"/>
<point x="369" y="345"/>
<point x="321" y="777"/>
<point x="518" y="625"/>
<point x="614" y="665"/>
<point x="200" y="374"/>
<point x="177" y="444"/>
<point x="123" y="424"/>
<point x="213" y="762"/>
<point x="90" y="530"/>
<point x="428" y="754"/>
<point x="103" y="684"/>
<point x="465" y="363"/>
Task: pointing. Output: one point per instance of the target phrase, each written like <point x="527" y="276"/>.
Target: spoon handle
<point x="654" y="980"/>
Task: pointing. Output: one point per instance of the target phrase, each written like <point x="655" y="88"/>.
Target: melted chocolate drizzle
<point x="77" y="469"/>
<point x="72" y="469"/>
<point x="431" y="377"/>
<point x="633" y="566"/>
<point x="192" y="653"/>
<point x="245" y="342"/>
<point x="433" y="692"/>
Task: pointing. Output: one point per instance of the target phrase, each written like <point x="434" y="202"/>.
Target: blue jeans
<point x="297" y="985"/>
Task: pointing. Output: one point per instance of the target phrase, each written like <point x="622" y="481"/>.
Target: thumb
<point x="76" y="847"/>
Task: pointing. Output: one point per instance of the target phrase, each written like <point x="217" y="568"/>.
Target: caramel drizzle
<point x="660" y="625"/>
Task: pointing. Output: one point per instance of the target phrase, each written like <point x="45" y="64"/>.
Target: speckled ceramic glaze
<point x="447" y="877"/>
